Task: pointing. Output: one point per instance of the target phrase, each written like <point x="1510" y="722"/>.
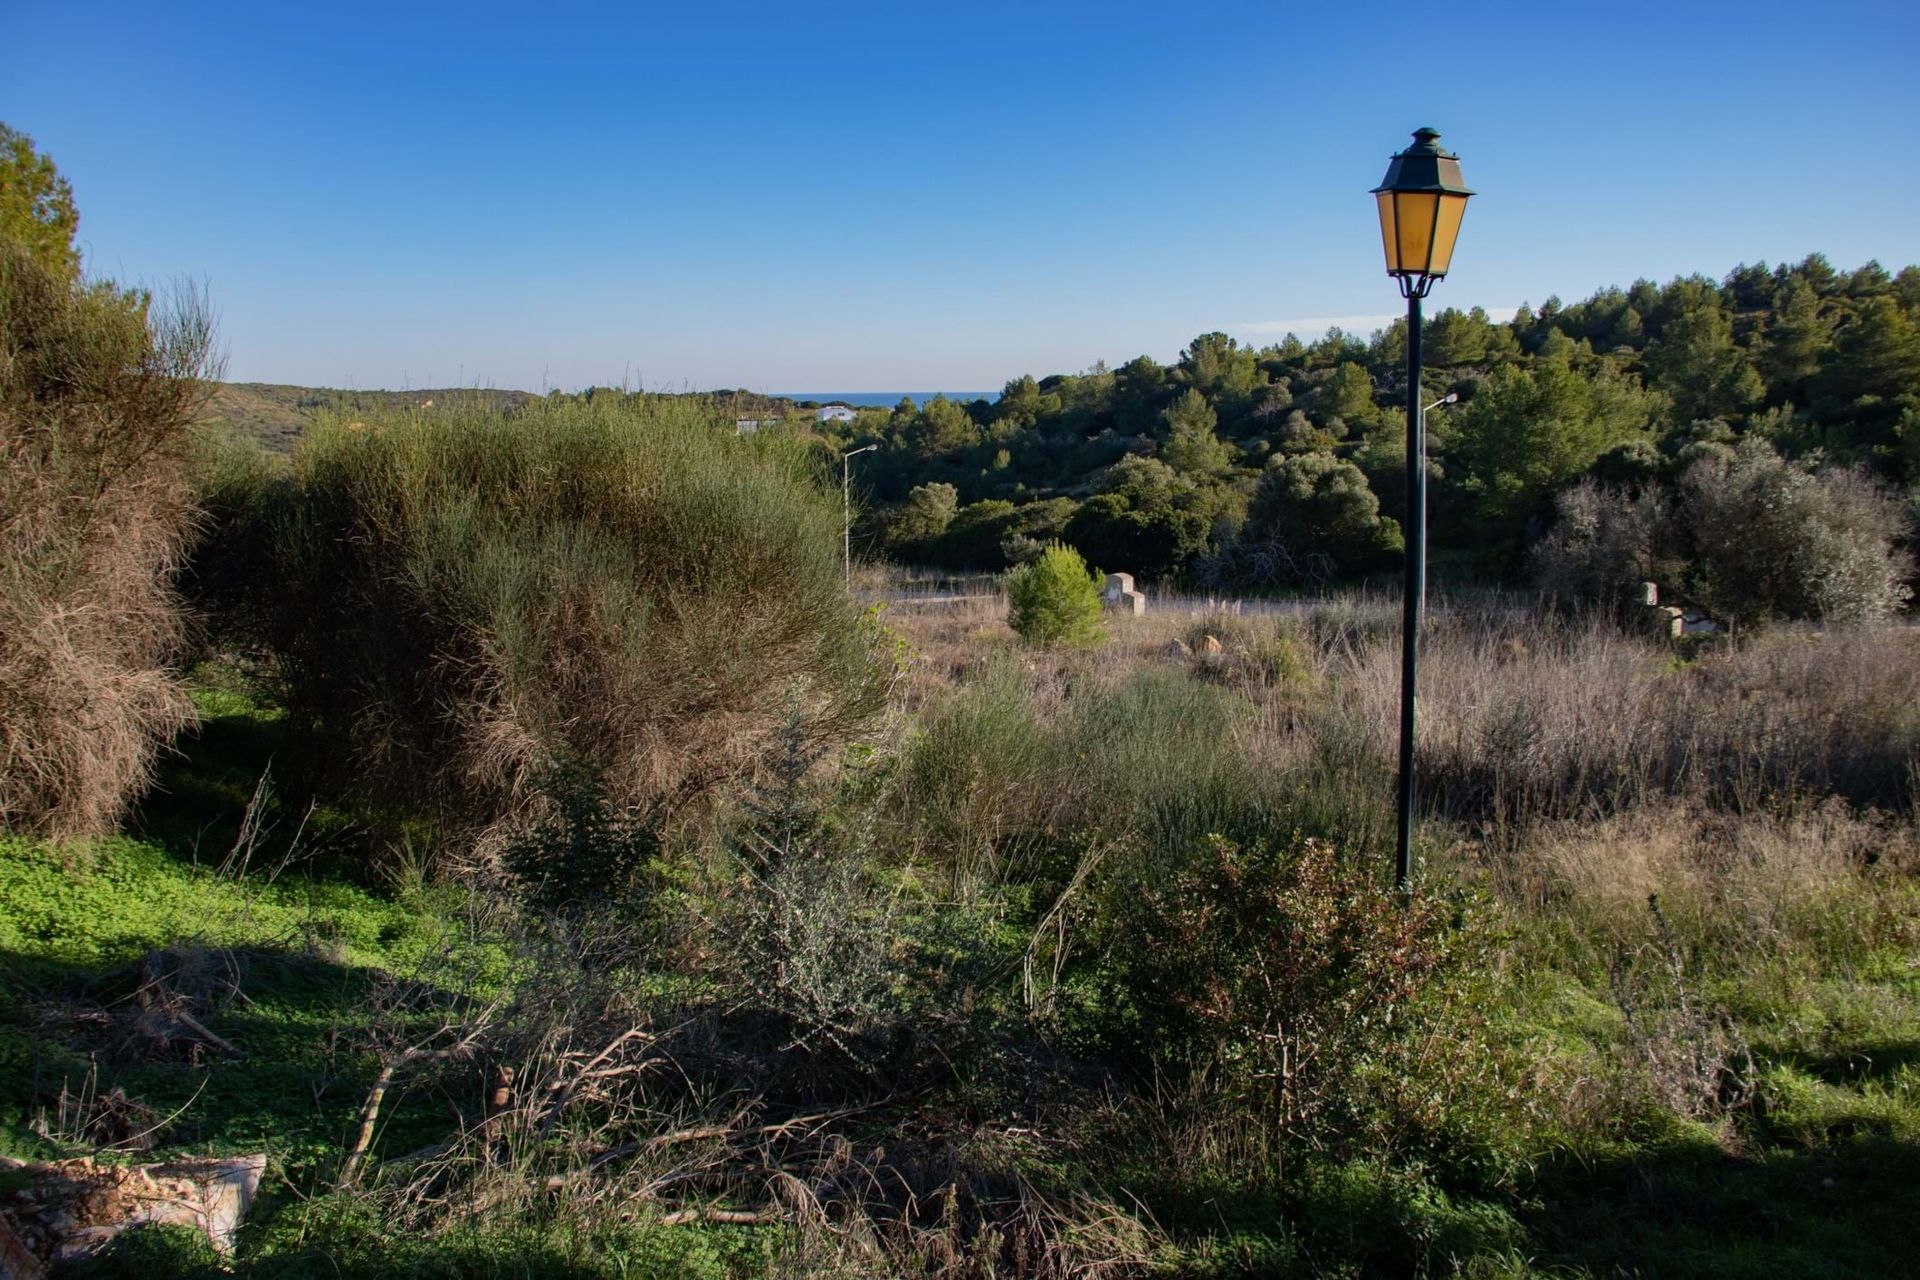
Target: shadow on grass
<point x="236" y="784"/>
<point x="296" y="1018"/>
<point x="1845" y="1208"/>
<point x="1860" y="1064"/>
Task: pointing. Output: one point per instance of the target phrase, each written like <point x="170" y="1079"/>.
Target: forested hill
<point x="1285" y="462"/>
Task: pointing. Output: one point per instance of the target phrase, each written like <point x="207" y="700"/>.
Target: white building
<point x="835" y="413"/>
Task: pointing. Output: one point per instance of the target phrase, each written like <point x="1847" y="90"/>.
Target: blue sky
<point x="796" y="196"/>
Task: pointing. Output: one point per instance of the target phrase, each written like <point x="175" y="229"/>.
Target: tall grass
<point x="1528" y="723"/>
<point x="1525" y="717"/>
<point x="460" y="604"/>
<point x="97" y="388"/>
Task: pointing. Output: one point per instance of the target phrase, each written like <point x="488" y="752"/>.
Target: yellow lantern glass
<point x="1418" y="230"/>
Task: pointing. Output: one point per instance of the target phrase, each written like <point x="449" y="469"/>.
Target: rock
<point x="1120" y="596"/>
<point x="78" y="1206"/>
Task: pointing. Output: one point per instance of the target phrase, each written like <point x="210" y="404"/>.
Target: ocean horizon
<point x="882" y="399"/>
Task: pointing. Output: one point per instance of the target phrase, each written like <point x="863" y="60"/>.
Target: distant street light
<point x="1452" y="397"/>
<point x="846" y="507"/>
<point x="1421" y="202"/>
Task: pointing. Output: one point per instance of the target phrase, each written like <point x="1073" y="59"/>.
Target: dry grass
<point x="97" y="389"/>
<point x="1526" y="722"/>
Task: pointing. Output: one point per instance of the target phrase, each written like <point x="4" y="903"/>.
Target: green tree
<point x="973" y="539"/>
<point x="1019" y="402"/>
<point x="1348" y="396"/>
<point x="1219" y="368"/>
<point x="1454" y="338"/>
<point x="1149" y="520"/>
<point x="1139" y="389"/>
<point x="36" y="205"/>
<point x="926" y="514"/>
<point x="1054" y="602"/>
<point x="942" y="428"/>
<point x="1296" y="433"/>
<point x="1531" y="430"/>
<point x="1697" y="363"/>
<point x="1318" y="509"/>
<point x="1191" y="447"/>
<point x="1877" y="352"/>
<point x="1798" y="336"/>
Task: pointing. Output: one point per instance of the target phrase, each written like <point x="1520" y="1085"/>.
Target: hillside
<point x="277" y="414"/>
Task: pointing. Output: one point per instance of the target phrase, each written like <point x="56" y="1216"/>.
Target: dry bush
<point x="457" y="605"/>
<point x="1606" y="542"/>
<point x="98" y="386"/>
<point x="1771" y="537"/>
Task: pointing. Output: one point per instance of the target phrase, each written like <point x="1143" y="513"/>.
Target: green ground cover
<point x="1816" y="1171"/>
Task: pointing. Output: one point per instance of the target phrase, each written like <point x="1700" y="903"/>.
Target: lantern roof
<point x="1424" y="166"/>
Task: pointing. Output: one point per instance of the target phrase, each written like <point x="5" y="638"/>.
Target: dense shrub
<point x="1006" y="774"/>
<point x="1752" y="536"/>
<point x="976" y="783"/>
<point x="1772" y="537"/>
<point x="1313" y="518"/>
<point x="457" y="605"/>
<point x="583" y="855"/>
<point x="1055" y="601"/>
<point x="1279" y="966"/>
<point x="97" y="388"/>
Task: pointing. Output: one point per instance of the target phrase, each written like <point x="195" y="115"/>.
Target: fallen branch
<point x="728" y="1217"/>
<point x="370" y="1110"/>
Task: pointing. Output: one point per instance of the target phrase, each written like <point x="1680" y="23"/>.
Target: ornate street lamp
<point x="1421" y="201"/>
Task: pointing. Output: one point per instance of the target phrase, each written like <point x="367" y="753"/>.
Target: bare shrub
<point x="1605" y="543"/>
<point x="458" y="604"/>
<point x="98" y="386"/>
<point x="1687" y="1053"/>
<point x="729" y="1093"/>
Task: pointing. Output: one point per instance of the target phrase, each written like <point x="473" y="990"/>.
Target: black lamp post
<point x="1421" y="202"/>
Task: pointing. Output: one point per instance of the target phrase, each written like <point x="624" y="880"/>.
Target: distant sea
<point x="884" y="399"/>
